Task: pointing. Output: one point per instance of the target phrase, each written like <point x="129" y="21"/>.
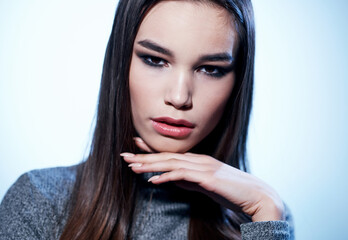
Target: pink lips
<point x="167" y="126"/>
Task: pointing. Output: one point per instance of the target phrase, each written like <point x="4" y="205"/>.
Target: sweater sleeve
<point x="25" y="213"/>
<point x="269" y="230"/>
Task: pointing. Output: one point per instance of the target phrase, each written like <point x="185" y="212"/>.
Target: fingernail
<point x="135" y="165"/>
<point x="138" y="139"/>
<point x="126" y="154"/>
<point x="153" y="178"/>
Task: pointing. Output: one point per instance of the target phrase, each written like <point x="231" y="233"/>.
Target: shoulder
<point x="36" y="205"/>
<point x="52" y="183"/>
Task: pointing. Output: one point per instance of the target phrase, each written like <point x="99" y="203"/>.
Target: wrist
<point x="270" y="210"/>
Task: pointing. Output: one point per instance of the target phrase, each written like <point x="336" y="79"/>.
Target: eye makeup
<point x="210" y="70"/>
<point x="215" y="71"/>
<point x="152" y="60"/>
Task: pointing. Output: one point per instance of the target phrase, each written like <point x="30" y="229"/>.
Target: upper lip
<point x="172" y="121"/>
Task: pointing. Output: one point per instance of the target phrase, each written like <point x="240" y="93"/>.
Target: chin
<point x="170" y="145"/>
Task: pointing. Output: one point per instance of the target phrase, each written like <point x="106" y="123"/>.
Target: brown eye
<point x="154" y="61"/>
<point x="209" y="69"/>
<point x="213" y="71"/>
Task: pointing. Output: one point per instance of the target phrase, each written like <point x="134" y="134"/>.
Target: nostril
<point x="179" y="90"/>
<point x="183" y="105"/>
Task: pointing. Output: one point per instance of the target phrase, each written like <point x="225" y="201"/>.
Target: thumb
<point x="142" y="145"/>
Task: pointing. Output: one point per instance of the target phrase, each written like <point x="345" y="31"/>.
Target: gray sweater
<point x="35" y="207"/>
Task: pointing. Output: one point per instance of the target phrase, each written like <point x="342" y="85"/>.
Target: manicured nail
<point x="135" y="165"/>
<point x="153" y="178"/>
<point x="126" y="154"/>
<point x="138" y="139"/>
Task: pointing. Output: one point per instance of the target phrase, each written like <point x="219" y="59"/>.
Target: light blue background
<point x="51" y="55"/>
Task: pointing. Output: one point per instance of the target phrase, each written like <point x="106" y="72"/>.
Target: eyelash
<point x="218" y="72"/>
<point x="150" y="60"/>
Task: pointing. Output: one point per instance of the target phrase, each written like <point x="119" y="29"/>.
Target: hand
<point x="228" y="186"/>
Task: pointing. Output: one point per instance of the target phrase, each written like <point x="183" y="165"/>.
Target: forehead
<point x="192" y="24"/>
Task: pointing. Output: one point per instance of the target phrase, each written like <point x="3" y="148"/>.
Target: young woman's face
<point x="181" y="73"/>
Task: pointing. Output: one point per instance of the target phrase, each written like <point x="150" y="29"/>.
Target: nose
<point x="179" y="91"/>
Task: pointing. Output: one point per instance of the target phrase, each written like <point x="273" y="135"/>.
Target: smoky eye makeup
<point x="151" y="60"/>
<point x="215" y="71"/>
<point x="209" y="70"/>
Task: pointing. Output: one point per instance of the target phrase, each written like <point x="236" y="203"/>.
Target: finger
<point x="192" y="154"/>
<point x="203" y="178"/>
<point x="203" y="182"/>
<point x="142" y="145"/>
<point x="155" y="157"/>
<point x="167" y="165"/>
<point x="150" y="157"/>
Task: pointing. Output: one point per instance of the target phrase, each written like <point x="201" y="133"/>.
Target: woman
<point x="169" y="141"/>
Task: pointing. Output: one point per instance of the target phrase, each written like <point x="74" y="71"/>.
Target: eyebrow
<point x="218" y="57"/>
<point x="155" y="47"/>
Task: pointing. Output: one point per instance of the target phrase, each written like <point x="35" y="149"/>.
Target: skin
<point x="185" y="86"/>
<point x="181" y="85"/>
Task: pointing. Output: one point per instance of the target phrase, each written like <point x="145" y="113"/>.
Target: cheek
<point x="136" y="93"/>
<point x="142" y="82"/>
<point x="214" y="99"/>
<point x="144" y="91"/>
<point x="137" y="84"/>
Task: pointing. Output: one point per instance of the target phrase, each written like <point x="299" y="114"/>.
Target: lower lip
<point x="170" y="130"/>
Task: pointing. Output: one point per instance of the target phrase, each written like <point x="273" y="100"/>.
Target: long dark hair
<point x="102" y="204"/>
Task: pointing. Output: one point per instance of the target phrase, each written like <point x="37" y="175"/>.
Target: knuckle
<point x="182" y="172"/>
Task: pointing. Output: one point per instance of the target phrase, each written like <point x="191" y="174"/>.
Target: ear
<point x="142" y="145"/>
